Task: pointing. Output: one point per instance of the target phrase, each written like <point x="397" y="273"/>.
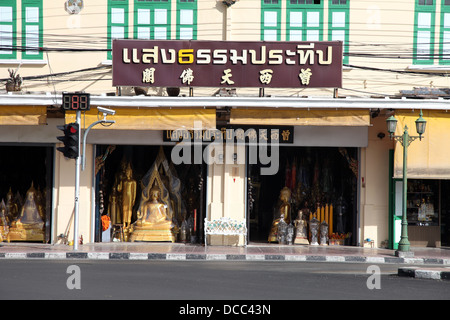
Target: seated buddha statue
<point x="29" y="225"/>
<point x="153" y="221"/>
<point x="153" y="213"/>
<point x="283" y="211"/>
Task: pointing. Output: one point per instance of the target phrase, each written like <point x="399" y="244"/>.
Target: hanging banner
<point x="189" y="63"/>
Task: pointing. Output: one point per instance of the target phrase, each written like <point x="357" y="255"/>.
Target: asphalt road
<point x="209" y="280"/>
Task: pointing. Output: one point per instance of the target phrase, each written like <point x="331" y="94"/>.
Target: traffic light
<point x="71" y="140"/>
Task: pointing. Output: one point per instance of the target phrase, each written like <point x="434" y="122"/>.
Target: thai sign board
<point x="184" y="63"/>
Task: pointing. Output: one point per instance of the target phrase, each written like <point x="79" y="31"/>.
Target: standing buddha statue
<point x="283" y="212"/>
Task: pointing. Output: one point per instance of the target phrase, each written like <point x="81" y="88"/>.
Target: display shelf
<point x="423" y="203"/>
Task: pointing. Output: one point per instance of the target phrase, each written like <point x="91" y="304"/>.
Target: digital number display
<point x="76" y="101"/>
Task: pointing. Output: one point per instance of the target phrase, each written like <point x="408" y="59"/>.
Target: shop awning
<point x="23" y="115"/>
<point x="312" y="117"/>
<point x="150" y="119"/>
<point x="429" y="158"/>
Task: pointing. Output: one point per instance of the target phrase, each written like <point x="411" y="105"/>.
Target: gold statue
<point x="153" y="220"/>
<point x="29" y="226"/>
<point x="12" y="208"/>
<point x="283" y="212"/>
<point x="127" y="188"/>
<point x="4" y="223"/>
<point x="301" y="233"/>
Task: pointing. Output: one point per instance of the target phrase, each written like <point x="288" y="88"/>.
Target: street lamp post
<point x="405" y="140"/>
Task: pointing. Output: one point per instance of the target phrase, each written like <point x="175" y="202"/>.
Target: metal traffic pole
<point x="77" y="188"/>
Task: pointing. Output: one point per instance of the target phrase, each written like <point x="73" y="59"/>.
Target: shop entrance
<point x="26" y="181"/>
<point x="181" y="187"/>
<point x="319" y="179"/>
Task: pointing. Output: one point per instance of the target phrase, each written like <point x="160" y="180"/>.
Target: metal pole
<point x="77" y="188"/>
<point x="403" y="245"/>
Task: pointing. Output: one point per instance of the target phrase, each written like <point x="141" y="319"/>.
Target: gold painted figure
<point x="12" y="209"/>
<point x="30" y="224"/>
<point x="4" y="223"/>
<point x="301" y="234"/>
<point x="283" y="212"/>
<point x="153" y="223"/>
<point x="127" y="188"/>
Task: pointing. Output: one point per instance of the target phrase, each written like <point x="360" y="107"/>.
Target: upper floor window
<point x="31" y="33"/>
<point x="271" y="20"/>
<point x="152" y="19"/>
<point x="338" y="23"/>
<point x="424" y="29"/>
<point x="186" y="19"/>
<point x="444" y="35"/>
<point x="304" y="20"/>
<point x="117" y="22"/>
<point x="32" y="26"/>
<point x="8" y="27"/>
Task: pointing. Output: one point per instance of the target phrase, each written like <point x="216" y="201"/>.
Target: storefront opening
<point x="26" y="181"/>
<point x="127" y="178"/>
<point x="321" y="181"/>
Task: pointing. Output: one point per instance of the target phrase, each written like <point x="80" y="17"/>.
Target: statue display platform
<point x="145" y="234"/>
<point x="26" y="232"/>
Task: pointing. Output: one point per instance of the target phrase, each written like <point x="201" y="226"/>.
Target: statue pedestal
<point x="26" y="232"/>
<point x="145" y="234"/>
<point x="301" y="240"/>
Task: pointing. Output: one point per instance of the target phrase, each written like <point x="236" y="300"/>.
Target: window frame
<point x="445" y="9"/>
<point x="13" y="23"/>
<point x="186" y="5"/>
<point x="116" y="4"/>
<point x="152" y="5"/>
<point x="431" y="9"/>
<point x="345" y="8"/>
<point x="304" y="9"/>
<point x="26" y="55"/>
<point x="266" y="7"/>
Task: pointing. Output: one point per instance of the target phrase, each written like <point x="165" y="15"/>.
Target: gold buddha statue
<point x="29" y="226"/>
<point x="283" y="212"/>
<point x="4" y="223"/>
<point x="127" y="189"/>
<point x="153" y="220"/>
<point x="12" y="208"/>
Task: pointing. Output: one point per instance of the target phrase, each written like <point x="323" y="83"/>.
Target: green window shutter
<point x="152" y="19"/>
<point x="8" y="26"/>
<point x="32" y="29"/>
<point x="186" y="19"/>
<point x="424" y="28"/>
<point x="338" y="23"/>
<point x="444" y="37"/>
<point x="304" y="20"/>
<point x="271" y="20"/>
<point x="117" y="22"/>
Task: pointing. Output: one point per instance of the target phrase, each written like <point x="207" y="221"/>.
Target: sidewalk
<point x="253" y="252"/>
<point x="429" y="263"/>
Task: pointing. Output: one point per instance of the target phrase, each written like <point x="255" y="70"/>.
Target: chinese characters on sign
<point x="225" y="63"/>
<point x="247" y="134"/>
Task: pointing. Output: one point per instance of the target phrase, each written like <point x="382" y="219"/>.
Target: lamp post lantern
<point x="405" y="140"/>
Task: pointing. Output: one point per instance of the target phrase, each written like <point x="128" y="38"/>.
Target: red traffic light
<point x="72" y="128"/>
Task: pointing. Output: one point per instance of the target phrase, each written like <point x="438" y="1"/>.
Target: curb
<point x="420" y="273"/>
<point x="224" y="257"/>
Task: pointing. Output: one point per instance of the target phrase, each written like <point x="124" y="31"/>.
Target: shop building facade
<point x="339" y="155"/>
